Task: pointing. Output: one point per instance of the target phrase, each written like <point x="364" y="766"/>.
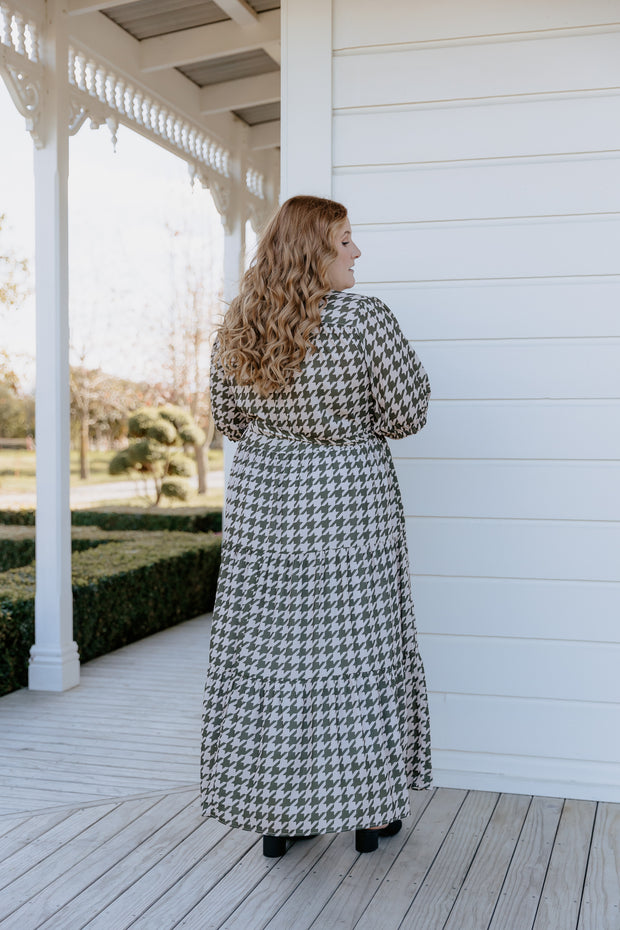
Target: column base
<point x="53" y="669"/>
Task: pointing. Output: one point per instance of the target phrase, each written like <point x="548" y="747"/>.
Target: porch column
<point x="54" y="659"/>
<point x="234" y="239"/>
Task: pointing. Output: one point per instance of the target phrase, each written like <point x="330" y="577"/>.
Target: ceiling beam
<point x="239" y="11"/>
<point x="274" y="50"/>
<point x="204" y="43"/>
<point x="74" y="7"/>
<point x="245" y="92"/>
<point x="265" y="135"/>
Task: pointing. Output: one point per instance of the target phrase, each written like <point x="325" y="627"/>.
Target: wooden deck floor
<point x="100" y="828"/>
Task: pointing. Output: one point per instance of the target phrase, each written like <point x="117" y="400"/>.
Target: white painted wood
<point x="245" y="92"/>
<point x="520" y="369"/>
<point x="265" y="135"/>
<point x="108" y="42"/>
<point x="239" y="11"/>
<point x="507" y="248"/>
<point x="513" y="429"/>
<point x="522" y="668"/>
<point x="519" y="127"/>
<point x="522" y="490"/>
<point x="206" y="42"/>
<point x="481" y="189"/>
<point x="555" y="64"/>
<point x="75" y="7"/>
<point x="555" y="549"/>
<point x="572" y="778"/>
<point x="54" y="660"/>
<point x="306" y="98"/>
<point x="538" y="728"/>
<point x="559" y="610"/>
<point x="515" y="308"/>
<point x="356" y="22"/>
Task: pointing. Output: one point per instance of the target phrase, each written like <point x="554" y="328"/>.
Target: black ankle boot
<point x="366" y="840"/>
<point x="274" y="846"/>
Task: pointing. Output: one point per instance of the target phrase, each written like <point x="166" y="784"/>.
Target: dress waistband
<point x="259" y="431"/>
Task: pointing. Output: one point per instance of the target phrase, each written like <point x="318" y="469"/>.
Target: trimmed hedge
<point x="122" y="591"/>
<point x="186" y="520"/>
<point x="17" y="543"/>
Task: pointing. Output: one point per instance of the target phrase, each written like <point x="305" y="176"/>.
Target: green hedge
<point x="186" y="519"/>
<point x="17" y="543"/>
<point x="122" y="591"/>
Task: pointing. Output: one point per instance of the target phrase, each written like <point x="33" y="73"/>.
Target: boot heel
<point x="366" y="841"/>
<point x="274" y="846"/>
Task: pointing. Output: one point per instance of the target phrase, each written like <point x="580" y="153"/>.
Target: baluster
<point x="19" y="34"/>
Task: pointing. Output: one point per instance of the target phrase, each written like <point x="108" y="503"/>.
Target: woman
<point x="315" y="713"/>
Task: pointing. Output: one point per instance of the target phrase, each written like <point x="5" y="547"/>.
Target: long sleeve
<point x="228" y="417"/>
<point x="399" y="385"/>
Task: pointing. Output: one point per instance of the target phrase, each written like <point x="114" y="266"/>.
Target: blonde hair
<point x="269" y="327"/>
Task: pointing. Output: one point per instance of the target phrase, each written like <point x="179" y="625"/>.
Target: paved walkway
<point x="82" y="495"/>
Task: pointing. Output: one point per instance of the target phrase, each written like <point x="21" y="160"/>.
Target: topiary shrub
<point x="157" y="435"/>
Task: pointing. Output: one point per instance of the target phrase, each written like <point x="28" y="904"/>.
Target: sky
<point x="135" y="221"/>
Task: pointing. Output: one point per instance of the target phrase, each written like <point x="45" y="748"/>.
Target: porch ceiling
<point x="219" y="61"/>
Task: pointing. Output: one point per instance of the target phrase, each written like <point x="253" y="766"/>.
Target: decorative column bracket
<point x="20" y="67"/>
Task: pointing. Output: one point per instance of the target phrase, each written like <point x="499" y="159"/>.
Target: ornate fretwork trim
<point x="98" y="93"/>
<point x="20" y="66"/>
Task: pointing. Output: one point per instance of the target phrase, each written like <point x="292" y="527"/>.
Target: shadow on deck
<point x="100" y="827"/>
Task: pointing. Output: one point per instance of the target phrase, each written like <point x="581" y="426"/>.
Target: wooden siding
<point x="101" y="829"/>
<point x="478" y="150"/>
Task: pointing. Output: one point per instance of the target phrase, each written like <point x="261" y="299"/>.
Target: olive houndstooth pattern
<point x="315" y="709"/>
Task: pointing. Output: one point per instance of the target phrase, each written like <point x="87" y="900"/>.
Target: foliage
<point x="14" y="282"/>
<point x="16" y="412"/>
<point x="188" y="520"/>
<point x="99" y="405"/>
<point x="17" y="543"/>
<point x="156" y="437"/>
<point x="123" y="590"/>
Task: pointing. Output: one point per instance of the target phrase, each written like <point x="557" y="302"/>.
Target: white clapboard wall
<point x="477" y="147"/>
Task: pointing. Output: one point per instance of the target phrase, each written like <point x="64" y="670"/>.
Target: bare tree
<point x="14" y="279"/>
<point x="194" y="310"/>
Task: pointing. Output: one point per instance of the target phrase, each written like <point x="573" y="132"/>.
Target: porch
<point x="100" y="827"/>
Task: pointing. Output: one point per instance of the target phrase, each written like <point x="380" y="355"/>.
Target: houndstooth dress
<point x="315" y="708"/>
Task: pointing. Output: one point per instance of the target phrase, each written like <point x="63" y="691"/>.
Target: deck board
<point x="100" y="828"/>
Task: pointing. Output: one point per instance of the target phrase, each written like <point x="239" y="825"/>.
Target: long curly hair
<point x="270" y="326"/>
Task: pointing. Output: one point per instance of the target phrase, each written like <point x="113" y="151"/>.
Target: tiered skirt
<point x="315" y="707"/>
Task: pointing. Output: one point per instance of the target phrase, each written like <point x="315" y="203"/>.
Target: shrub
<point x="17" y="543"/>
<point x="122" y="591"/>
<point x="188" y="519"/>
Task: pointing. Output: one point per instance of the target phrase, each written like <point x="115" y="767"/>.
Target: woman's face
<point x="340" y="272"/>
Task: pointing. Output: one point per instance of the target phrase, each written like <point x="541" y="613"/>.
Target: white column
<point x="54" y="659"/>
<point x="306" y="122"/>
<point x="234" y="239"/>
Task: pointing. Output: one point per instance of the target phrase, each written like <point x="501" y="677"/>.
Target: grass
<point x="213" y="498"/>
<point x="18" y="469"/>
